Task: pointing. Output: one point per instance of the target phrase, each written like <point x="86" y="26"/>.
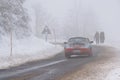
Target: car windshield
<point x="78" y="40"/>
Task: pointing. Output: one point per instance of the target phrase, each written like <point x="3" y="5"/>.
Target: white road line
<point x="29" y="69"/>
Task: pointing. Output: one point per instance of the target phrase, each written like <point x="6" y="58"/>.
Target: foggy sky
<point x="107" y="12"/>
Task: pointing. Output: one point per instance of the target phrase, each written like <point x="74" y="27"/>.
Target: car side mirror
<point x="91" y="41"/>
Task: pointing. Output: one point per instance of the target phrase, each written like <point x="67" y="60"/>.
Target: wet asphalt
<point x="50" y="69"/>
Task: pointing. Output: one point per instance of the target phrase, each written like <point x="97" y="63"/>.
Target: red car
<point x="78" y="46"/>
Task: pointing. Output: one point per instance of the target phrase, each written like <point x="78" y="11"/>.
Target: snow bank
<point x="113" y="66"/>
<point x="114" y="75"/>
<point x="26" y="50"/>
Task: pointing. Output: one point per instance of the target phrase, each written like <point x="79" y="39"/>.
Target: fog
<point x="108" y="12"/>
<point x="77" y="17"/>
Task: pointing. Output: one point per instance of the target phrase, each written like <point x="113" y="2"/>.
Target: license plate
<point x="76" y="51"/>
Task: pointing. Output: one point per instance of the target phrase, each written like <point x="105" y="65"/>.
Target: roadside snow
<point x="25" y="50"/>
<point x="114" y="75"/>
<point x="105" y="67"/>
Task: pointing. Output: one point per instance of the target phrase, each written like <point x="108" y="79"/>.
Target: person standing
<point x="102" y="37"/>
<point x="96" y="37"/>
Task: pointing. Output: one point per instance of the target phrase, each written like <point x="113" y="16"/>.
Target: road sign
<point x="46" y="30"/>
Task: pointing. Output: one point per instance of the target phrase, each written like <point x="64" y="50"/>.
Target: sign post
<point x="11" y="43"/>
<point x="46" y="31"/>
<point x="54" y="35"/>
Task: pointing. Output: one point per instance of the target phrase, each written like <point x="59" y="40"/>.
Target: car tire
<point x="90" y="54"/>
<point x="67" y="55"/>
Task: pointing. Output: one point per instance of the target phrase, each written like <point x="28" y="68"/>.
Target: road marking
<point x="9" y="74"/>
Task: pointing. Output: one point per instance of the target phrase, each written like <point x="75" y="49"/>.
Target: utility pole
<point x="84" y="29"/>
<point x="77" y="16"/>
<point x="46" y="36"/>
<point x="54" y="34"/>
<point x="11" y="43"/>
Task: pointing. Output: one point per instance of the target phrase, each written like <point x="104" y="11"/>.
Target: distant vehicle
<point x="78" y="46"/>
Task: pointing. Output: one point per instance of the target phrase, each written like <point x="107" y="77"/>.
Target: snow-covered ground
<point x="26" y="50"/>
<point x="106" y="67"/>
<point x="110" y="69"/>
<point x="114" y="73"/>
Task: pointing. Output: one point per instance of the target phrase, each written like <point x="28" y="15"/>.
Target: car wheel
<point x="90" y="54"/>
<point x="67" y="55"/>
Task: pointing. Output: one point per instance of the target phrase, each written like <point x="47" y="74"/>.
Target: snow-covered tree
<point x="13" y="18"/>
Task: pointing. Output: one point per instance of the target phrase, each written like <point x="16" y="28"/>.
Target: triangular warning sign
<point x="46" y="30"/>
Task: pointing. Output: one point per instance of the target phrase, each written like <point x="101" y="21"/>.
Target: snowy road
<point x="106" y="67"/>
<point x="50" y="69"/>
